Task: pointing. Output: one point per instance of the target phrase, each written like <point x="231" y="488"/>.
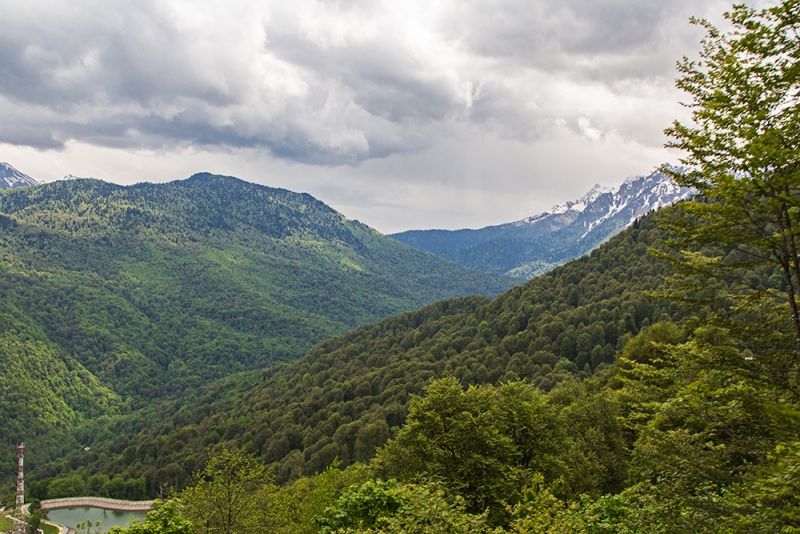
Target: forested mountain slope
<point x="42" y="390"/>
<point x="153" y="290"/>
<point x="347" y="394"/>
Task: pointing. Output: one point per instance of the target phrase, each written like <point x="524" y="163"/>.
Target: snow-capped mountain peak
<point x="11" y="177"/>
<point x="580" y="204"/>
<point x="574" y="206"/>
<point x="636" y="196"/>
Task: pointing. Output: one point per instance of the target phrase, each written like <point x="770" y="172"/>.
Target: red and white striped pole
<point x="20" y="491"/>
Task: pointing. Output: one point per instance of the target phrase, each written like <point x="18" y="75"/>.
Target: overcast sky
<point x="402" y="114"/>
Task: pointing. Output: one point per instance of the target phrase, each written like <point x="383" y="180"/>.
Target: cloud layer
<point x="339" y="83"/>
<point x="329" y="82"/>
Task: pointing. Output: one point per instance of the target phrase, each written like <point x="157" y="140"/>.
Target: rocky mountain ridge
<point x="11" y="177"/>
<point x="536" y="244"/>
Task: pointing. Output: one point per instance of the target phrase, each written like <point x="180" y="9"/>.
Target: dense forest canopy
<point x="115" y="298"/>
<point x="349" y="394"/>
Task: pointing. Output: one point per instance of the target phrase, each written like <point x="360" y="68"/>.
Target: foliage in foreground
<point x="458" y="465"/>
<point x="704" y="458"/>
<point x="391" y="507"/>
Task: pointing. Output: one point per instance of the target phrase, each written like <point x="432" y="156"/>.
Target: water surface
<point x="70" y="517"/>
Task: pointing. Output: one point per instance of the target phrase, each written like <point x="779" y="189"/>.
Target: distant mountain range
<point x="537" y="244"/>
<point x="11" y="177"/>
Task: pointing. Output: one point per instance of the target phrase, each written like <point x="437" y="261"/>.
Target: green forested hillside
<point x="345" y="397"/>
<point x="153" y="290"/>
<point x="44" y="392"/>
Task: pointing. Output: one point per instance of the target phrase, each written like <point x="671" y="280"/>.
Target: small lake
<point x="70" y="517"/>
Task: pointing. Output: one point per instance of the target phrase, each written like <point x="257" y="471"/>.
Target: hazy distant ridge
<point x="536" y="244"/>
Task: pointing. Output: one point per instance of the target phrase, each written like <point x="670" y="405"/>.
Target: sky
<point x="404" y="115"/>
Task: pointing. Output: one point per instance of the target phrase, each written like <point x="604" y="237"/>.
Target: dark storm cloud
<point x="329" y="83"/>
<point x="560" y="35"/>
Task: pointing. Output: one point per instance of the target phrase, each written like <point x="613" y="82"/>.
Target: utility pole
<point x="19" y="512"/>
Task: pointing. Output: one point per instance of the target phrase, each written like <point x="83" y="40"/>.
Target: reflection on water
<point x="70" y="517"/>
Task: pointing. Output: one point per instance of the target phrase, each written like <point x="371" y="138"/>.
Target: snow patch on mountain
<point x="637" y="196"/>
<point x="582" y="203"/>
<point x="11" y="177"/>
<point x="576" y="206"/>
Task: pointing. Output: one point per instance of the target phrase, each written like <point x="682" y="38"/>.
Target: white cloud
<point x="437" y="113"/>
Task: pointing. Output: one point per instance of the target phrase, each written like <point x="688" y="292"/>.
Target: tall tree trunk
<point x="788" y="261"/>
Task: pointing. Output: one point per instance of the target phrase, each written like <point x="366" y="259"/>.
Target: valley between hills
<point x="115" y="298"/>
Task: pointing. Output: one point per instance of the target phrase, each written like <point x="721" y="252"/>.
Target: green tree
<point x="34" y="505"/>
<point x="90" y="527"/>
<point x="361" y="507"/>
<point x="66" y="487"/>
<point x="743" y="159"/>
<point x="452" y="435"/>
<point x="717" y="414"/>
<point x="391" y="507"/>
<point x="228" y="495"/>
<point x="35" y="520"/>
<point x="769" y="499"/>
<point x="540" y="512"/>
<point x="165" y="518"/>
<point x="524" y="415"/>
<point x="291" y="509"/>
<point x="369" y="438"/>
<point x="713" y="449"/>
<point x="591" y="454"/>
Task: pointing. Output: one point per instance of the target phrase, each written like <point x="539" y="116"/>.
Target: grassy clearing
<point x="7" y="524"/>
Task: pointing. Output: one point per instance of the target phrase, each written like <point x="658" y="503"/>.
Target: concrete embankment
<point x="61" y="528"/>
<point x="97" y="502"/>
